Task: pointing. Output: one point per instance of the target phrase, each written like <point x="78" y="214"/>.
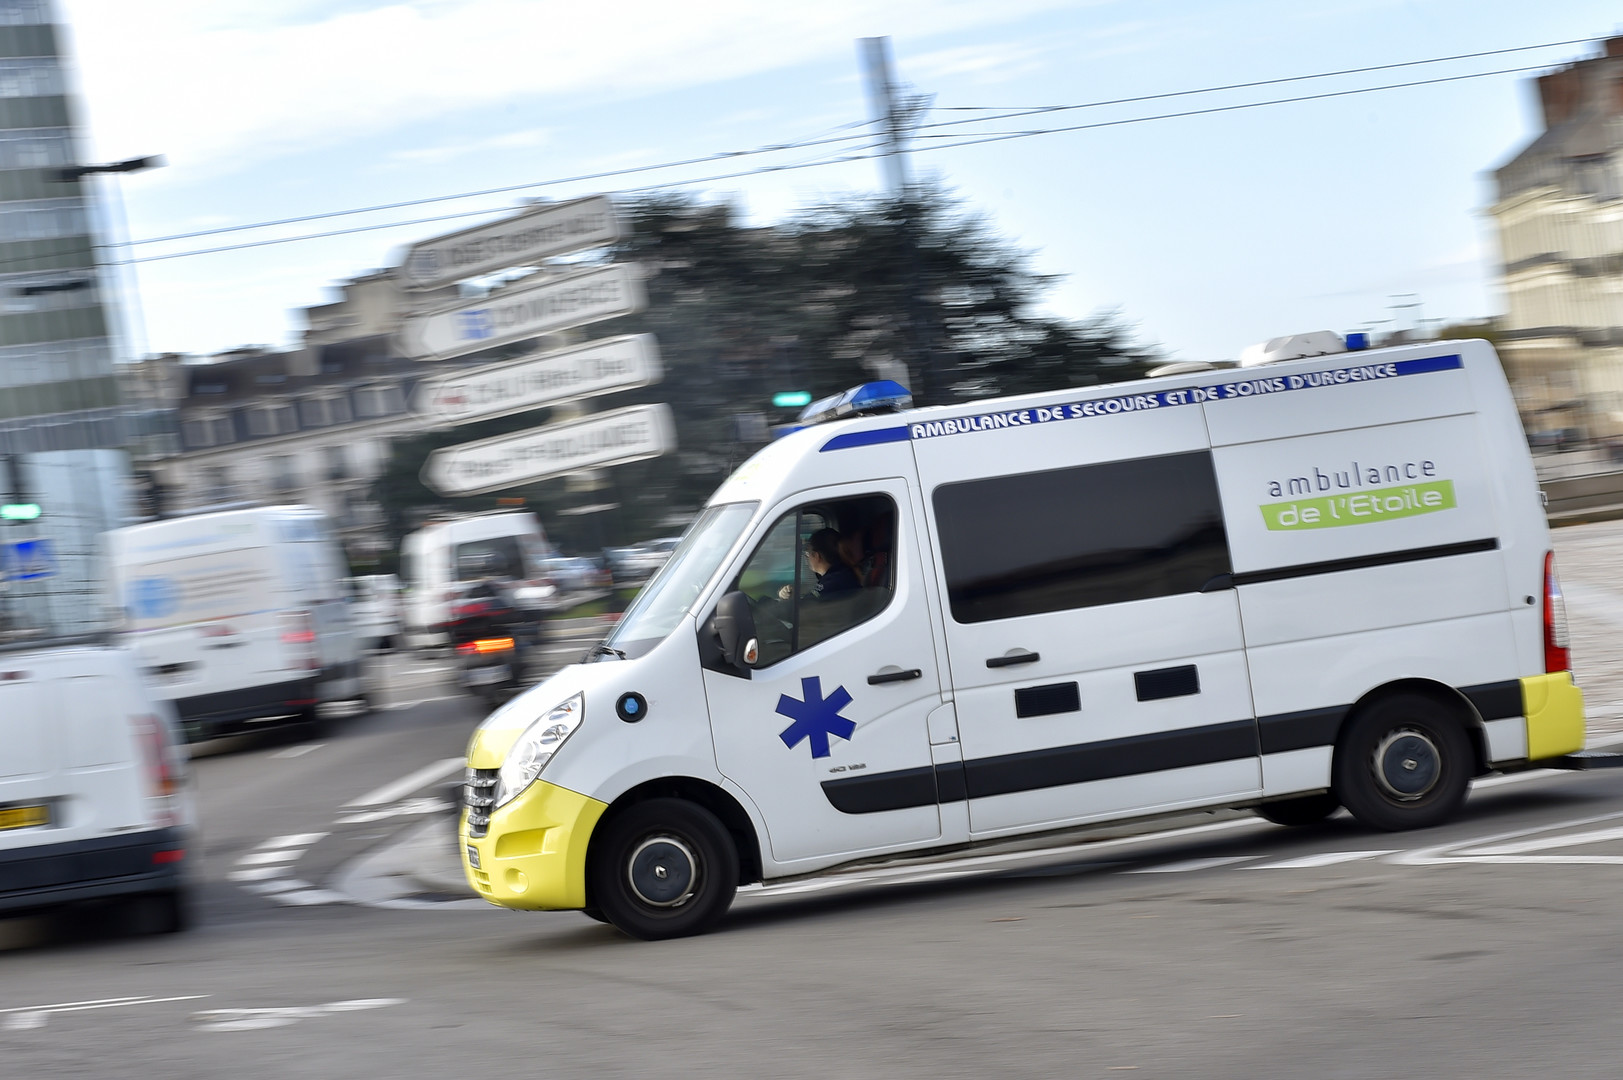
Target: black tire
<point x="1303" y="810"/>
<point x="594" y="914"/>
<point x="1404" y="762"/>
<point x="663" y="868"/>
<point x="158" y="913"/>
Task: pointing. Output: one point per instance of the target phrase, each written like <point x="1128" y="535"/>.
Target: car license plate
<point x="23" y="817"/>
<point x="473" y="856"/>
<point x="481" y="676"/>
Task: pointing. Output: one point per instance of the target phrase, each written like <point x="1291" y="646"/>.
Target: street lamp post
<point x="137" y="325"/>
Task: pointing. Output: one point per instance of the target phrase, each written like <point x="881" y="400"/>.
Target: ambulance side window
<point x="1081" y="537"/>
<point x="793" y="609"/>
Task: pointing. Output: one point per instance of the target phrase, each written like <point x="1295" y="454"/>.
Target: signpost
<point x="543" y="308"/>
<point x="522" y="240"/>
<point x="27" y="560"/>
<point x="611" y="438"/>
<point x="599" y="367"/>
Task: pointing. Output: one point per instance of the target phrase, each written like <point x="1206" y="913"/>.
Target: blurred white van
<point x="437" y="559"/>
<point x="238" y="616"/>
<point x="94" y="795"/>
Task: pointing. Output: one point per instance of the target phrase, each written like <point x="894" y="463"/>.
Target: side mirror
<point x="735" y="628"/>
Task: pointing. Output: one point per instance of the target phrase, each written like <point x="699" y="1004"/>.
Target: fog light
<point x="516" y="881"/>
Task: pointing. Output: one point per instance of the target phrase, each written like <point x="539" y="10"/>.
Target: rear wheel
<point x="1404" y="762"/>
<point x="1303" y="810"/>
<point x="663" y="868"/>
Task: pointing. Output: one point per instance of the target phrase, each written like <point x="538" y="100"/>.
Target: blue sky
<point x="1206" y="233"/>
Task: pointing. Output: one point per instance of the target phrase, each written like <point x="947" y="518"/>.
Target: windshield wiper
<point x="603" y="648"/>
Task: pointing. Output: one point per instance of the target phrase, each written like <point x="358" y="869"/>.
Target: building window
<point x="32" y="77"/>
<point x="339" y="410"/>
<point x="337" y="463"/>
<point x="314" y="412"/>
<point x="260" y="422"/>
<point x="1016" y="545"/>
<point x="195" y="433"/>
<point x="286" y="419"/>
<point x="220" y="431"/>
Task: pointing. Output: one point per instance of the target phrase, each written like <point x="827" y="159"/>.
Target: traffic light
<point x="19" y="511"/>
<point x="791" y="399"/>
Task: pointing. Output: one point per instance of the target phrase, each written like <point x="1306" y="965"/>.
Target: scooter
<point x="491" y="638"/>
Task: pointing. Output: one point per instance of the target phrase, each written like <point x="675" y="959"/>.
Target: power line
<point x="1005" y="136"/>
<point x="629" y="171"/>
<point x="1012" y="112"/>
<point x="820" y="140"/>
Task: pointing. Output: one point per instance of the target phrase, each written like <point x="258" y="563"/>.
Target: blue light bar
<point x="869" y="399"/>
<point x="1357" y="342"/>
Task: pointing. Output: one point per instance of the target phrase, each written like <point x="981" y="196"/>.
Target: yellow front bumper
<point x="534" y="855"/>
<point x="1554" y="708"/>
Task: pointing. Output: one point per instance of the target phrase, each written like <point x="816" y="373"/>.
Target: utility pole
<point x="897" y="113"/>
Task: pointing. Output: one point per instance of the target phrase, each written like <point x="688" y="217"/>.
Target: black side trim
<point x="1300" y="730"/>
<point x="1168" y="682"/>
<point x="1496" y="701"/>
<point x="81" y="869"/>
<point x="1080" y="764"/>
<point x="1363" y="562"/>
<point x="1042" y="768"/>
<point x="1047" y="700"/>
<point x="882" y="791"/>
<point x="950" y="784"/>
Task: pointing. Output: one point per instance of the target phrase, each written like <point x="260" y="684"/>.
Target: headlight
<point x="535" y="748"/>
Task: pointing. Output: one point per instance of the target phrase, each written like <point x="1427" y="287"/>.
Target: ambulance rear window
<point x="1080" y="537"/>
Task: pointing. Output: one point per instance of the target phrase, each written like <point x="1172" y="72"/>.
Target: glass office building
<point x="61" y="427"/>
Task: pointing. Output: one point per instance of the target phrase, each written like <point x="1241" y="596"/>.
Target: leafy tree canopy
<point x="915" y="290"/>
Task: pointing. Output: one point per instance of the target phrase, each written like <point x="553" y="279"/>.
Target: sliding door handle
<point x="895" y="676"/>
<point x="1013" y="658"/>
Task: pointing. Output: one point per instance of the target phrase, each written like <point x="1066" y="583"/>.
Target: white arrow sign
<point x="522" y="240"/>
<point x="611" y="438"/>
<point x="501" y="319"/>
<point x="599" y="367"/>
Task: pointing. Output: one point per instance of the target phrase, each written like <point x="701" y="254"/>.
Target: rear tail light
<point x="299" y="633"/>
<point x="485" y="645"/>
<point x="161" y="764"/>
<point x="1557" y="655"/>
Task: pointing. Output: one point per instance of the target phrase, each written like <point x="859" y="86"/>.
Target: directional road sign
<point x="521" y="240"/>
<point x="611" y="438"/>
<point x="27" y="560"/>
<point x="599" y="367"/>
<point x="505" y="317"/>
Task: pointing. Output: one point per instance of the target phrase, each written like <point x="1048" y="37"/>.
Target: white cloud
<point x="221" y="85"/>
<point x="434" y="155"/>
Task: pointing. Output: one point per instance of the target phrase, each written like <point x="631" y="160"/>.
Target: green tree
<point x="834" y="296"/>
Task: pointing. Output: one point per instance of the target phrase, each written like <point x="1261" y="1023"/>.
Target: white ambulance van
<point x="1313" y="583"/>
<point x="437" y="558"/>
<point x="95" y="802"/>
<point x="238" y="616"/>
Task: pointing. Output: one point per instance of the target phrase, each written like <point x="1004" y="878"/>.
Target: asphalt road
<point x="1231" y="948"/>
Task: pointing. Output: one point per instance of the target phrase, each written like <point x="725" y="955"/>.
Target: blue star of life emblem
<point x="815" y="718"/>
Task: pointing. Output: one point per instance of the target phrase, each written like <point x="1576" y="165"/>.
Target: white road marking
<point x="257" y="873"/>
<point x="1459" y="851"/>
<point x="409" y="808"/>
<point x="30" y="1017"/>
<point x="1190" y="865"/>
<point x="393" y="791"/>
<point x="298" y="751"/>
<point x="263" y="858"/>
<point x="300" y="840"/>
<point x="310" y="898"/>
<point x="1324" y="858"/>
<point x="1595" y="836"/>
<point x="276" y="885"/>
<point x="257" y="1019"/>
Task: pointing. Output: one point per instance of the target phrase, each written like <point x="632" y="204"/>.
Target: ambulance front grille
<point x="479" y="795"/>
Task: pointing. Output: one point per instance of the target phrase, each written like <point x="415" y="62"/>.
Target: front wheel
<point x="664" y="868"/>
<point x="1405" y="762"/>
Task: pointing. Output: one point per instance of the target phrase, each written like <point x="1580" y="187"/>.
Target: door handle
<point x="1012" y="659"/>
<point x="895" y="676"/>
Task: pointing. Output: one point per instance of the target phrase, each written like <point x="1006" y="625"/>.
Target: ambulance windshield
<point x="660" y="606"/>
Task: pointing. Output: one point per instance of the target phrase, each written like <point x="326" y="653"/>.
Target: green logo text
<point x="1381" y="504"/>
